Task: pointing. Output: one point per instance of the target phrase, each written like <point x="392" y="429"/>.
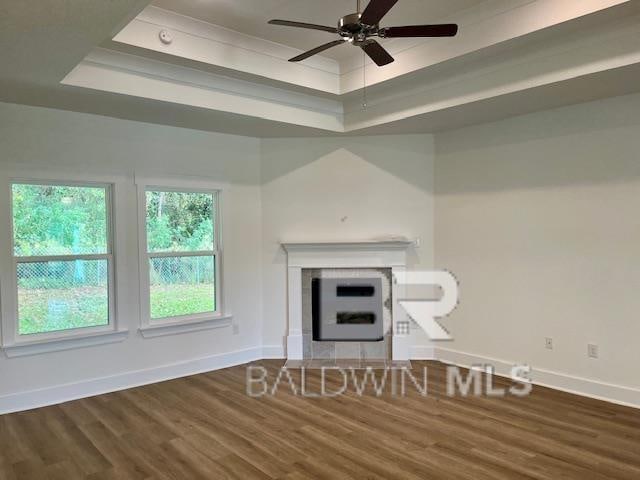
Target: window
<point x="62" y="259"/>
<point x="182" y="256"/>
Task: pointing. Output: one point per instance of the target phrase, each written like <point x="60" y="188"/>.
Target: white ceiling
<point x="251" y="16"/>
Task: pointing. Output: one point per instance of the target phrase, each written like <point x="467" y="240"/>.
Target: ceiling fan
<point x="358" y="28"/>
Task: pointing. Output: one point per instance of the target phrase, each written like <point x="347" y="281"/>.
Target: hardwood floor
<point x="207" y="427"/>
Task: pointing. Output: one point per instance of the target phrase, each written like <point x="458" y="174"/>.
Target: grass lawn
<point x="181" y="299"/>
<point x="51" y="310"/>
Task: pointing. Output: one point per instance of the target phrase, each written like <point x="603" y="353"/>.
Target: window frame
<point x="199" y="321"/>
<point x="16" y="344"/>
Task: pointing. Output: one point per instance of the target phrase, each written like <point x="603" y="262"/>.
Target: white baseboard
<point x="273" y="352"/>
<point x="585" y="387"/>
<point x="63" y="393"/>
<point x="73" y="391"/>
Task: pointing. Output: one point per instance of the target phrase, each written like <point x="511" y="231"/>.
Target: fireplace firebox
<point x="347" y="310"/>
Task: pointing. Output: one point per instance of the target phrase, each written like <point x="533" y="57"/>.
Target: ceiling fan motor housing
<point x="350" y="26"/>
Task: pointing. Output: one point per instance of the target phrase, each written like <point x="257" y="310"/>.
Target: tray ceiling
<point x="226" y="70"/>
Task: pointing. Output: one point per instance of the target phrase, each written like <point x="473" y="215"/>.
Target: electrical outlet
<point x="592" y="350"/>
<point x="236" y="329"/>
<point x="548" y="343"/>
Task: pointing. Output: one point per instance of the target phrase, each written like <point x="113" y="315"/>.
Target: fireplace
<point x="342" y="302"/>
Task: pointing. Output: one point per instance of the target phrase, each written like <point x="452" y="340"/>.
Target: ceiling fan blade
<point x="317" y="50"/>
<point x="376" y="10"/>
<point x="311" y="26"/>
<point x="445" y="30"/>
<point x="377" y="53"/>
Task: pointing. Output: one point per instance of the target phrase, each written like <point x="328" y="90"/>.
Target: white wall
<point x="336" y="189"/>
<point x="57" y="141"/>
<point x="538" y="218"/>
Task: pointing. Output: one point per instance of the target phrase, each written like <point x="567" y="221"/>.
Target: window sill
<point x="186" y="326"/>
<point x="24" y="349"/>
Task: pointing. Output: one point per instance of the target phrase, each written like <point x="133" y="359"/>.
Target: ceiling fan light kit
<point x="359" y="28"/>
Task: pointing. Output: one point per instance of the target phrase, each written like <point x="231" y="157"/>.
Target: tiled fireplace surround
<point x="345" y="350"/>
<point x="368" y="259"/>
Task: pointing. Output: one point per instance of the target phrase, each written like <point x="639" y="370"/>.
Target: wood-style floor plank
<point x="207" y="427"/>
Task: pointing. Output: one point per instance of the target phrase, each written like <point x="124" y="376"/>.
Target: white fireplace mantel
<point x="362" y="245"/>
<point x="365" y="254"/>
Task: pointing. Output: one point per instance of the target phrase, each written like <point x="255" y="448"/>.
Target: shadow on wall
<point x="586" y="144"/>
<point x="347" y="188"/>
<point x="402" y="156"/>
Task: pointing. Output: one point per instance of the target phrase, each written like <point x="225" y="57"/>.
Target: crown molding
<point x="126" y="74"/>
<point x="549" y="62"/>
<point x="499" y="22"/>
<point x="203" y="42"/>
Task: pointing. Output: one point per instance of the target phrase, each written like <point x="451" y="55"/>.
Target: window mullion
<point x="200" y="253"/>
<point x="62" y="258"/>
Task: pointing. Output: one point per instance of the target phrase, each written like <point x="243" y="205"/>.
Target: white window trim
<point x="20" y="345"/>
<point x="187" y="323"/>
